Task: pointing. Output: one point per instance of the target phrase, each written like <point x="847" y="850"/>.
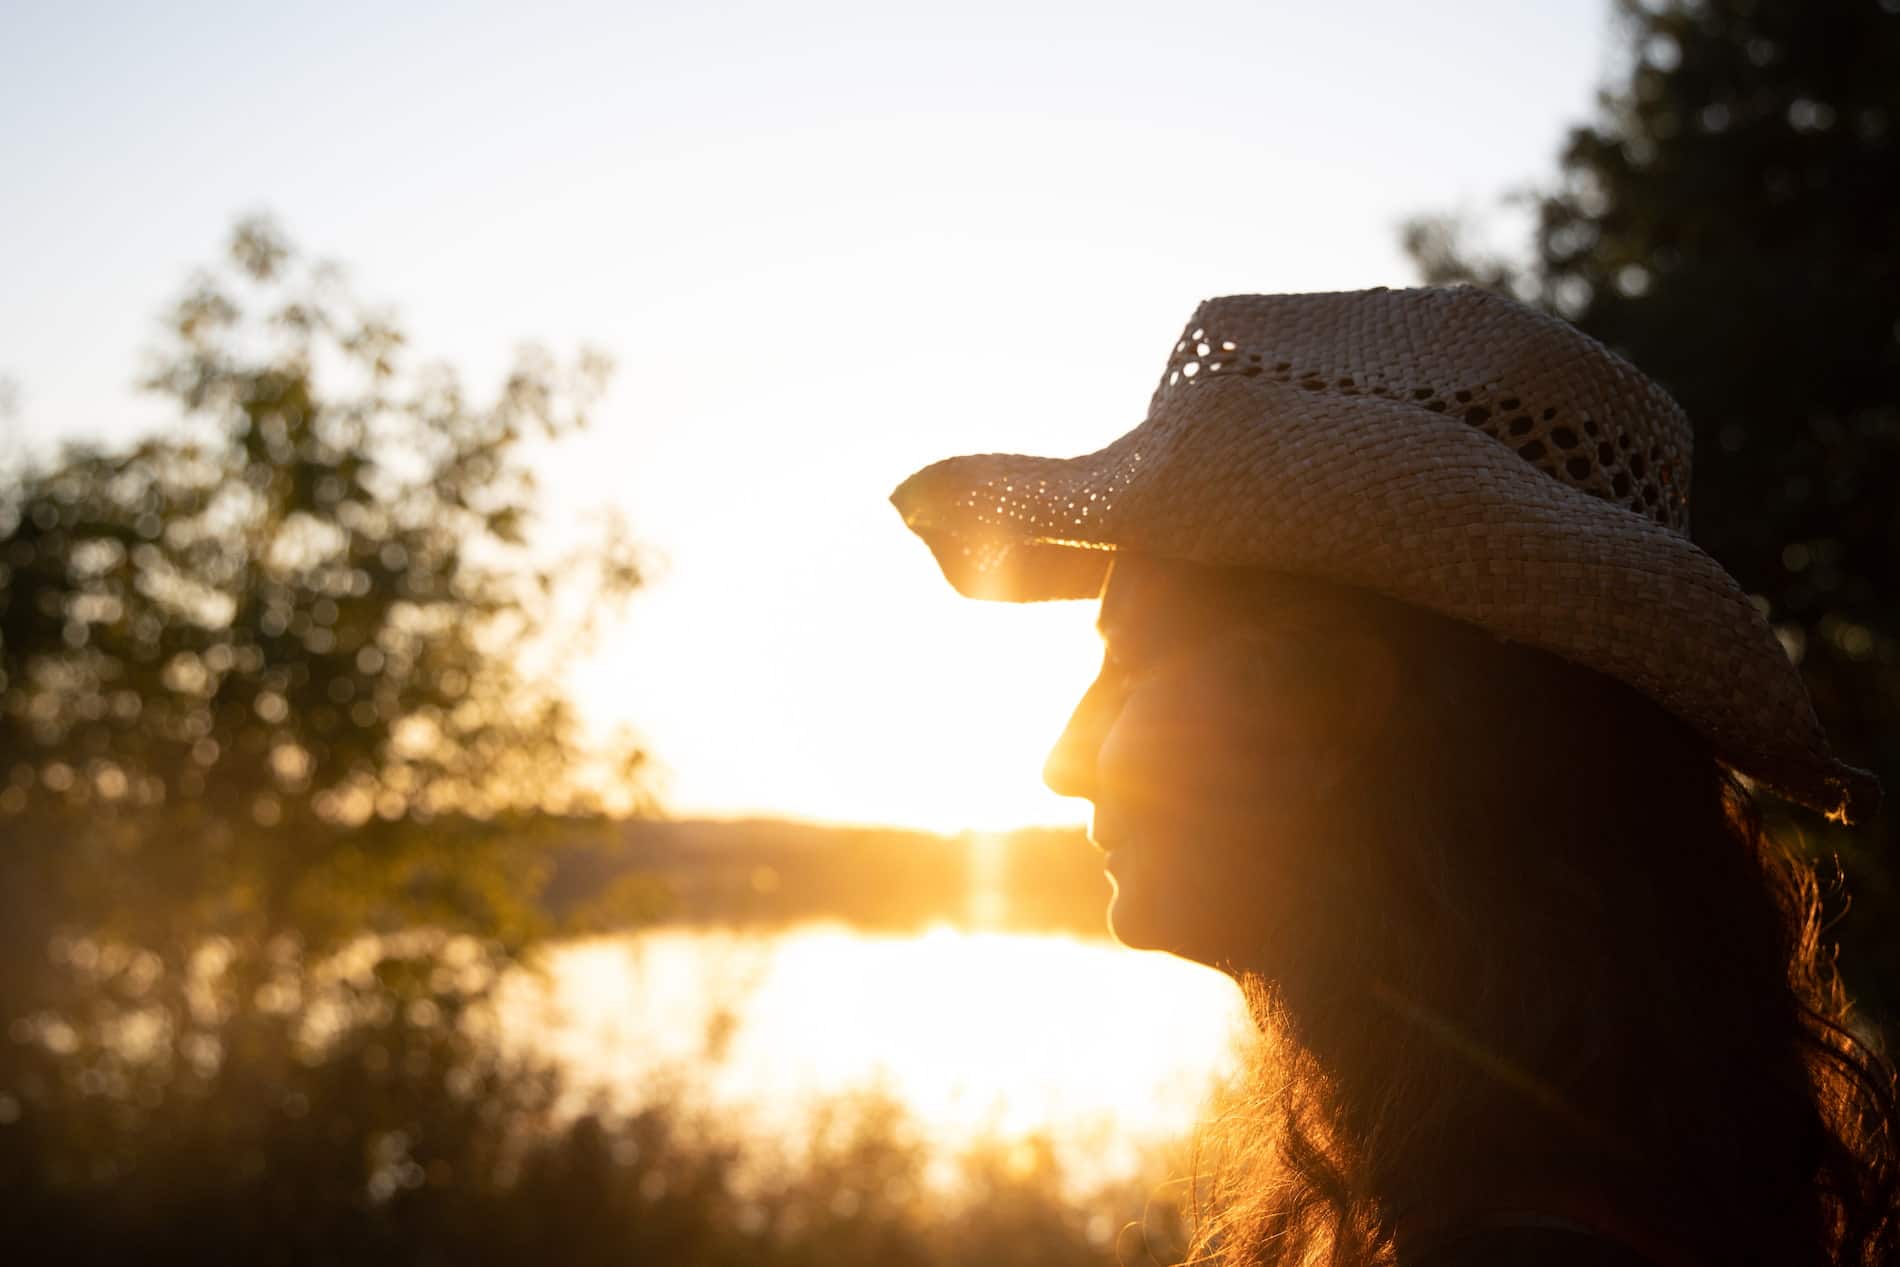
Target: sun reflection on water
<point x="978" y="1035"/>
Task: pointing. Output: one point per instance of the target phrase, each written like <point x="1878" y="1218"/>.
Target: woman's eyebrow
<point x="1121" y="640"/>
<point x="1125" y="634"/>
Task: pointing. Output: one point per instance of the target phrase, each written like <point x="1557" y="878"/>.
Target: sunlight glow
<point x="942" y="721"/>
<point x="796" y="328"/>
<point x="980" y="1036"/>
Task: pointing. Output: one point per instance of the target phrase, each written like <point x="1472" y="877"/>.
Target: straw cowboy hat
<point x="1445" y="447"/>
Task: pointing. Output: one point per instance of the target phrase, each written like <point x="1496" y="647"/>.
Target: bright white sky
<point x="827" y="243"/>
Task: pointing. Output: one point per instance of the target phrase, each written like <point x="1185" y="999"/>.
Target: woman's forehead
<point x="1146" y="593"/>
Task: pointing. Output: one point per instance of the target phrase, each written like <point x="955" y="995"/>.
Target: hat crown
<point x="1535" y="384"/>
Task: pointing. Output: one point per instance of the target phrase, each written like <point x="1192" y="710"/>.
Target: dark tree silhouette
<point x="1728" y="222"/>
<point x="242" y="663"/>
<point x="268" y="680"/>
<point x="268" y="683"/>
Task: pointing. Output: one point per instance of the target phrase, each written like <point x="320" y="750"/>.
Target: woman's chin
<point x="1124" y="914"/>
<point x="1133" y="921"/>
<point x="1139" y="922"/>
<point x="1124" y="928"/>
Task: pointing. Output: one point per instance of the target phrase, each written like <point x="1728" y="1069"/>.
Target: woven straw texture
<point x="1446" y="447"/>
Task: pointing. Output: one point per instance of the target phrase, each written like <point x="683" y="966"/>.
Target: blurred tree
<point x="1728" y="223"/>
<point x="294" y="665"/>
<point x="289" y="676"/>
<point x="282" y="678"/>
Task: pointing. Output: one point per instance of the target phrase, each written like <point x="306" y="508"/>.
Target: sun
<point x="896" y="703"/>
<point x="988" y="689"/>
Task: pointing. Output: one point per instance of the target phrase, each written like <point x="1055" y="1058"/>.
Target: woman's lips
<point x="1113" y="833"/>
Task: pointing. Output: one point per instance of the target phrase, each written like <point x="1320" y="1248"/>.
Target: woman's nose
<point x="1070" y="768"/>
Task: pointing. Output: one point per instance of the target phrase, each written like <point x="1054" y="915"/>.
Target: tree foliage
<point x="1727" y="222"/>
<point x="282" y="747"/>
<point x="289" y="664"/>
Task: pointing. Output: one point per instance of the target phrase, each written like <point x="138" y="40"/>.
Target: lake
<point x="980" y="1036"/>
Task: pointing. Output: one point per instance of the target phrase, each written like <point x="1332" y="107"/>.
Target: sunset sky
<point x="826" y="243"/>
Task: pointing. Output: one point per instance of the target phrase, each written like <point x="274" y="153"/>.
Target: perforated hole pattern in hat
<point x="1580" y="450"/>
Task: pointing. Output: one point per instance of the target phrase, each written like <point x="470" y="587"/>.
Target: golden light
<point x="981" y="1037"/>
<point x="879" y="697"/>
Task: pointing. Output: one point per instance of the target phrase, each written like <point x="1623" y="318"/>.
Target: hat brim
<point x="1414" y="504"/>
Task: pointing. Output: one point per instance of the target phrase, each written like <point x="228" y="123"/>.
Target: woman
<point x="1422" y="717"/>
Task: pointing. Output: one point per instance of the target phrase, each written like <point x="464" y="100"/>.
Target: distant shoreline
<point x="767" y="873"/>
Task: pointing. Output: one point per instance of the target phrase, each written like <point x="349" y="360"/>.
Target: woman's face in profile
<point x="1230" y="709"/>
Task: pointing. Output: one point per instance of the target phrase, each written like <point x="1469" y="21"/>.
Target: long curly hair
<point x="1548" y="947"/>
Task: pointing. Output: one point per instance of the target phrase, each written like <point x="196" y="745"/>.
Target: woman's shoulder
<point x="1533" y="1243"/>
